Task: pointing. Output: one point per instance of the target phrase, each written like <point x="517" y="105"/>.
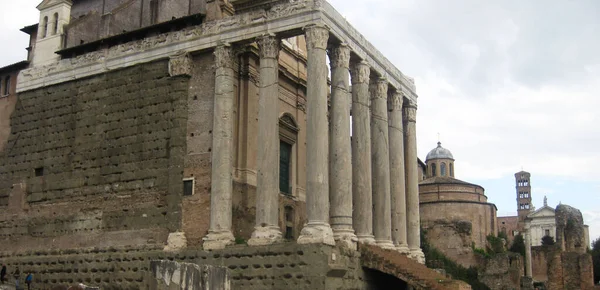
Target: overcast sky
<point x="507" y="84"/>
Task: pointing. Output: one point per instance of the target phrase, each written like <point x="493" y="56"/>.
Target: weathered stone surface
<point x="171" y="275"/>
<point x="570" y="231"/>
<point x="502" y="271"/>
<point x="569" y="270"/>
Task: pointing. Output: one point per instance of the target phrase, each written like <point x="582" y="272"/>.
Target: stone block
<point x="173" y="275"/>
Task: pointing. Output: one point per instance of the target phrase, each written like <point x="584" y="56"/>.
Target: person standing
<point x="28" y="280"/>
<point x="17" y="275"/>
<point x="3" y="274"/>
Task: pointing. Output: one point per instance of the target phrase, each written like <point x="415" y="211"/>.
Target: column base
<point x="366" y="239"/>
<point x="417" y="255"/>
<point x="175" y="242"/>
<point x="217" y="240"/>
<point x="316" y="233"/>
<point x="403" y="249"/>
<point x="345" y="239"/>
<point x="265" y="236"/>
<point x="385" y="244"/>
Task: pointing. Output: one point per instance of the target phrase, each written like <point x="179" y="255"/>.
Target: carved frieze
<point x="379" y="89"/>
<point x="223" y="56"/>
<point x="395" y="101"/>
<point x="316" y="36"/>
<point x="339" y="56"/>
<point x="360" y="72"/>
<point x="268" y="46"/>
<point x="180" y="64"/>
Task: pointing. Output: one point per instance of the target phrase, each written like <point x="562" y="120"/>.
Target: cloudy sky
<point x="507" y="84"/>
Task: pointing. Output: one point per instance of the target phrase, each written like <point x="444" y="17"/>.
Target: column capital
<point x="379" y="88"/>
<point x="360" y="72"/>
<point x="268" y="45"/>
<point x="395" y="100"/>
<point x="339" y="56"/>
<point x="316" y="36"/>
<point x="224" y="56"/>
<point x="410" y="112"/>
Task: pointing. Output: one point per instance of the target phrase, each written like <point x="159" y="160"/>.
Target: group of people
<point x="17" y="275"/>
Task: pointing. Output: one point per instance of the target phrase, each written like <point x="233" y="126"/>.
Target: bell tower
<point x="523" y="190"/>
<point x="54" y="15"/>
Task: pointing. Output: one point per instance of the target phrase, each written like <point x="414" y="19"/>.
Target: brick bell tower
<point x="523" y="189"/>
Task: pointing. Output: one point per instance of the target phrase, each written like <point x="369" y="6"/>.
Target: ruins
<point x="207" y="132"/>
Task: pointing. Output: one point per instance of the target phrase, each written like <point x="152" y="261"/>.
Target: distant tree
<point x="547" y="241"/>
<point x="518" y="245"/>
<point x="495" y="245"/>
<point x="503" y="235"/>
<point x="596" y="258"/>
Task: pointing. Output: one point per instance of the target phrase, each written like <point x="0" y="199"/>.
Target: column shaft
<point x="528" y="268"/>
<point x="380" y="164"/>
<point x="267" y="230"/>
<point x="412" y="183"/>
<point x="397" y="184"/>
<point x="340" y="159"/>
<point x="362" y="214"/>
<point x="317" y="230"/>
<point x="219" y="233"/>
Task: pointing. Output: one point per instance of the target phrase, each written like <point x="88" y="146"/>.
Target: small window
<point x="547" y="232"/>
<point x="443" y="169"/>
<point x="45" y="27"/>
<point x="289" y="223"/>
<point x="433" y="170"/>
<point x="7" y="85"/>
<point x="188" y="187"/>
<point x="285" y="160"/>
<point x="55" y="24"/>
<point x="39" y="171"/>
<point x="451" y="169"/>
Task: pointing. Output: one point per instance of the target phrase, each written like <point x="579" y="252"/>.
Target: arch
<point x="433" y="170"/>
<point x="451" y="169"/>
<point x="45" y="27"/>
<point x="443" y="169"/>
<point x="55" y="24"/>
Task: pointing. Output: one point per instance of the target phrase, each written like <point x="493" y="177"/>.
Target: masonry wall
<point x="452" y="227"/>
<point x="7" y="105"/>
<point x="282" y="266"/>
<point x="96" y="162"/>
<point x="539" y="263"/>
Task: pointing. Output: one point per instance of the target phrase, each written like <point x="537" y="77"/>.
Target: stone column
<point x="412" y="183"/>
<point x="267" y="230"/>
<point x="527" y="258"/>
<point x="219" y="233"/>
<point x="317" y="229"/>
<point x="362" y="215"/>
<point x="340" y="159"/>
<point x="397" y="184"/>
<point x="380" y="165"/>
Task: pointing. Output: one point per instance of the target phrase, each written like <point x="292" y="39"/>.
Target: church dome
<point x="439" y="153"/>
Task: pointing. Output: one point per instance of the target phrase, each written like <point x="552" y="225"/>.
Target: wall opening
<point x="188" y="187"/>
<point x="39" y="171"/>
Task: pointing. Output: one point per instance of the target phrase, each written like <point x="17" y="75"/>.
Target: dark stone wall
<point x="109" y="153"/>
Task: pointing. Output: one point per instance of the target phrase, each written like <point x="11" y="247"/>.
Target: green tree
<point x="547" y="241"/>
<point x="596" y="258"/>
<point x="518" y="245"/>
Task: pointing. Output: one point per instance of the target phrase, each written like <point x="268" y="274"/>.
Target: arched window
<point x="451" y="169"/>
<point x="433" y="170"/>
<point x="443" y="169"/>
<point x="55" y="24"/>
<point x="7" y="85"/>
<point x="45" y="27"/>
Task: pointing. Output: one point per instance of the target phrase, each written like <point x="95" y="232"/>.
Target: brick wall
<point x="99" y="161"/>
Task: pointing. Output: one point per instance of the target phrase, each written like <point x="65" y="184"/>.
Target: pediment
<point x="542" y="212"/>
<point x="50" y="3"/>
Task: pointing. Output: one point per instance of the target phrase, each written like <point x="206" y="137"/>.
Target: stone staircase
<point x="400" y="266"/>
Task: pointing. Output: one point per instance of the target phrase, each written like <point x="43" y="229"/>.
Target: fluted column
<point x="380" y="165"/>
<point x="219" y="233"/>
<point x="362" y="215"/>
<point x="340" y="160"/>
<point x="412" y="183"/>
<point x="397" y="184"/>
<point x="267" y="230"/>
<point x="317" y="229"/>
